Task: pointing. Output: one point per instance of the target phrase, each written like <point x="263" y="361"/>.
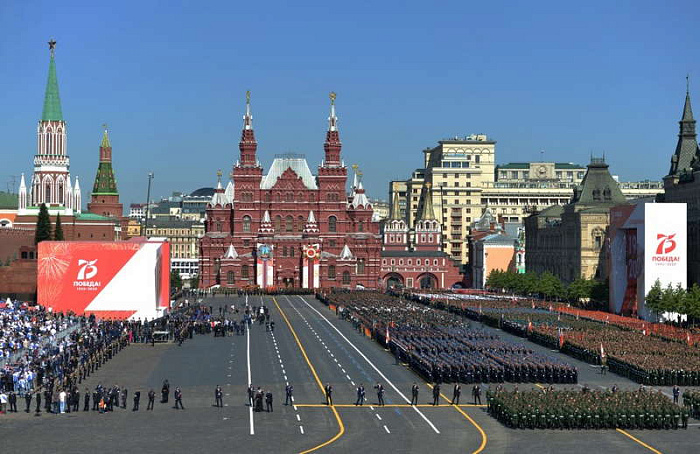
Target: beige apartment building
<point x="183" y="236"/>
<point x="465" y="181"/>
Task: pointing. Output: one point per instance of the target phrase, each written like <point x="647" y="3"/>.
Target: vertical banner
<point x="311" y="266"/>
<point x="665" y="244"/>
<point x="265" y="266"/>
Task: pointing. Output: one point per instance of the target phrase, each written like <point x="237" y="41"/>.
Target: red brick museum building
<point x="289" y="228"/>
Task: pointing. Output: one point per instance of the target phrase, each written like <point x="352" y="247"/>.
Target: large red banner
<point x="127" y="279"/>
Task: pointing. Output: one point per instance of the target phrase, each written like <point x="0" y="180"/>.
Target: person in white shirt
<point x="62" y="401"/>
<point x="3" y="402"/>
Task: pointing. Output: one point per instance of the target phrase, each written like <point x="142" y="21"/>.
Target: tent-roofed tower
<point x="50" y="179"/>
<point x="687" y="152"/>
<point x="104" y="199"/>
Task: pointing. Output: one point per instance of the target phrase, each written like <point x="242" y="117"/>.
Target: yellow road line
<point x="484" y="438"/>
<point x="387" y="406"/>
<point x="341" y="427"/>
<point x="627" y="434"/>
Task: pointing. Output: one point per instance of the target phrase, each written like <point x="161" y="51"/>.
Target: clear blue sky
<point x="170" y="80"/>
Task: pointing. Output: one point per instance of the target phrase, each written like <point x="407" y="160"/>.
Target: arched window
<point x="278" y="223"/>
<point x="300" y="221"/>
<point x="278" y="197"/>
<point x="289" y="197"/>
<point x="289" y="224"/>
<point x="284" y="251"/>
<point x="60" y="193"/>
<point x="346" y="277"/>
<point x="331" y="271"/>
<point x="218" y="226"/>
<point x="417" y="261"/>
<point x="244" y="272"/>
<point x="361" y="266"/>
<point x="268" y="197"/>
<point x="230" y="278"/>
<point x="246" y="223"/>
<point x="47" y="194"/>
<point x="361" y="226"/>
<point x="291" y="251"/>
<point x="332" y="224"/>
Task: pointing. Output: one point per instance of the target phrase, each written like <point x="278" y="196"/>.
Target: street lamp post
<point x="148" y="203"/>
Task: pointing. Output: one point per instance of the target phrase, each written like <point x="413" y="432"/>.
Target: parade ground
<point x="309" y="348"/>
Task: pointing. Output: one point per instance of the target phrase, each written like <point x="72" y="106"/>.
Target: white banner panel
<point x="665" y="244"/>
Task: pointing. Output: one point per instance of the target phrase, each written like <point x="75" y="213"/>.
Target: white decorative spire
<point x="231" y="253"/>
<point x="332" y="120"/>
<point x="248" y="117"/>
<point x="311" y="226"/>
<point x="360" y="198"/>
<point x="229" y="192"/>
<point x="345" y="254"/>
<point x="266" y="224"/>
<point x="77" y="198"/>
<point x="22" y="194"/>
<point x="69" y="194"/>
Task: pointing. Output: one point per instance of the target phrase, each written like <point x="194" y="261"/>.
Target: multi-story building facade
<point x="290" y="228"/>
<point x="183" y="236"/>
<point x="569" y="241"/>
<point x="465" y="182"/>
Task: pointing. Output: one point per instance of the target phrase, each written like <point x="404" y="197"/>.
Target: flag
<point x="550" y="308"/>
<point x="387" y="338"/>
<point x="529" y="326"/>
<point x="559" y="316"/>
<point x="577" y="314"/>
<point x="687" y="336"/>
<point x="602" y="351"/>
<point x="533" y="304"/>
<point x="561" y="338"/>
<point x="480" y="308"/>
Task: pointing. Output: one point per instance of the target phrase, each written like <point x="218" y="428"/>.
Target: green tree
<point x="692" y="303"/>
<point x="580" y="289"/>
<point x="58" y="229"/>
<point x="550" y="285"/>
<point x="194" y="281"/>
<point x="653" y="298"/>
<point x="599" y="291"/>
<point x="43" y="225"/>
<point x="175" y="280"/>
<point x="493" y="280"/>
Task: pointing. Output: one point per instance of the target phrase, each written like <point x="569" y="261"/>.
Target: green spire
<point x="52" y="102"/>
<point x="105" y="183"/>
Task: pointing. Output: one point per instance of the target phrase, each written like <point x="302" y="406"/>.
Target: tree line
<point x="674" y="299"/>
<point x="549" y="286"/>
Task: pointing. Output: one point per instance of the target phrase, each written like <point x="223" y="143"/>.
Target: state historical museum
<point x="290" y="228"/>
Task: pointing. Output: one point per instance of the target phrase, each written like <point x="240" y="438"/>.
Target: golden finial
<point x="354" y="167"/>
<point x="104" y="126"/>
<point x="247" y="96"/>
<point x="218" y="175"/>
<point x="332" y="95"/>
<point x="359" y="174"/>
